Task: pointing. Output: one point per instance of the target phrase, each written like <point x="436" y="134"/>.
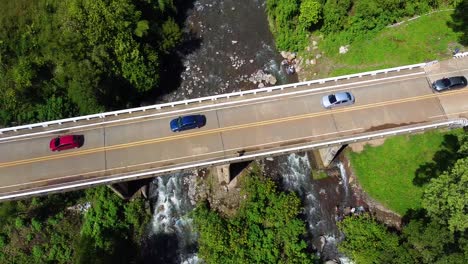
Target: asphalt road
<point x="254" y="123"/>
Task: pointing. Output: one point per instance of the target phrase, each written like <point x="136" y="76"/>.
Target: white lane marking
<point x="216" y="105"/>
<point x="186" y="157"/>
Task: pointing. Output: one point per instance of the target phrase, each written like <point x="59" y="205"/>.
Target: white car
<point x="338" y="99"/>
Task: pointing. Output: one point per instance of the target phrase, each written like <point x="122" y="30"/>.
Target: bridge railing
<point x="207" y="99"/>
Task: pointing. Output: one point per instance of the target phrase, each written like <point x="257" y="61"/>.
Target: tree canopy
<point x="65" y="58"/>
<point x="446" y="198"/>
<point x="264" y="230"/>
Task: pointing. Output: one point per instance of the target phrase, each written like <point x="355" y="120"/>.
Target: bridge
<point x="137" y="143"/>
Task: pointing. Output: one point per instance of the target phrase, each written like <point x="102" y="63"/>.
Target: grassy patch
<point x="387" y="172"/>
<point x="423" y="39"/>
<point x="318" y="174"/>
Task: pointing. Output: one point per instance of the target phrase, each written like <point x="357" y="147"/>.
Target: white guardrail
<point x="208" y="98"/>
<point x="460" y="122"/>
<point x="460" y="55"/>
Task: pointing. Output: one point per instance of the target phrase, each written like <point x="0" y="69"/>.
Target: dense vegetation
<point x="53" y="229"/>
<point x="292" y="21"/>
<point x="65" y="58"/>
<point x="436" y="230"/>
<point x="266" y="228"/>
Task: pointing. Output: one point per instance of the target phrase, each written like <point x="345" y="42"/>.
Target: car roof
<point x="341" y="96"/>
<point x="67" y="139"/>
<point x="189" y="119"/>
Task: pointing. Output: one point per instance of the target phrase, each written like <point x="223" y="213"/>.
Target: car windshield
<point x="332" y="98"/>
<point x="179" y="122"/>
<point x="57" y="142"/>
<point x="349" y="96"/>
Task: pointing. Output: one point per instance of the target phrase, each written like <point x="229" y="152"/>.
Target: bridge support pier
<point x="327" y="155"/>
<point x="127" y="190"/>
<point x="227" y="174"/>
<point x="223" y="173"/>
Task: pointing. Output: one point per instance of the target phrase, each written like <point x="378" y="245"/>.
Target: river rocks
<point x="284" y="54"/>
<point x="236" y="61"/>
<point x="323" y="240"/>
<point x="290" y="63"/>
<point x="261" y="77"/>
<point x="288" y="55"/>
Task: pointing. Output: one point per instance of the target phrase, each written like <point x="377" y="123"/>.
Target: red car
<point x="66" y="142"/>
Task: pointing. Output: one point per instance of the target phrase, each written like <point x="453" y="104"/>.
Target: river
<point x="230" y="41"/>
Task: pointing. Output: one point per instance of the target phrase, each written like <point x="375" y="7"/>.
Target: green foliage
<point x="459" y="21"/>
<point x="334" y="15"/>
<point x="446" y="199"/>
<point x="428" y="241"/>
<point x="111" y="228"/>
<point x="264" y="230"/>
<point x="142" y="28"/>
<point x="367" y="241"/>
<point x="43" y="230"/>
<point x="64" y="58"/>
<point x="35" y="232"/>
<point x="283" y="16"/>
<point x="309" y="13"/>
<point x="170" y="35"/>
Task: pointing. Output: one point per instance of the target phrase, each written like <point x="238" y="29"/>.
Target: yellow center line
<point x="225" y="129"/>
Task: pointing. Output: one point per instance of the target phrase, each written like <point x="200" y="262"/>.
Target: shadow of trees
<point x="117" y="93"/>
<point x="162" y="248"/>
<point x="442" y="160"/>
<point x="171" y="64"/>
<point x="460" y="21"/>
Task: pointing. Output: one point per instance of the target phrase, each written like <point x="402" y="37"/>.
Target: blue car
<point x="187" y="122"/>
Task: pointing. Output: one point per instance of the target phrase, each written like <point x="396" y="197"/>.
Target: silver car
<point x="338" y="99"/>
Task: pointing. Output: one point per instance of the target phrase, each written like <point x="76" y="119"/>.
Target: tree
<point x="309" y="13"/>
<point x="111" y="228"/>
<point x="460" y="21"/>
<point x="427" y="240"/>
<point x="64" y="58"/>
<point x="283" y="17"/>
<point x="335" y="15"/>
<point x="367" y="241"/>
<point x="264" y="230"/>
<point x="446" y="199"/>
